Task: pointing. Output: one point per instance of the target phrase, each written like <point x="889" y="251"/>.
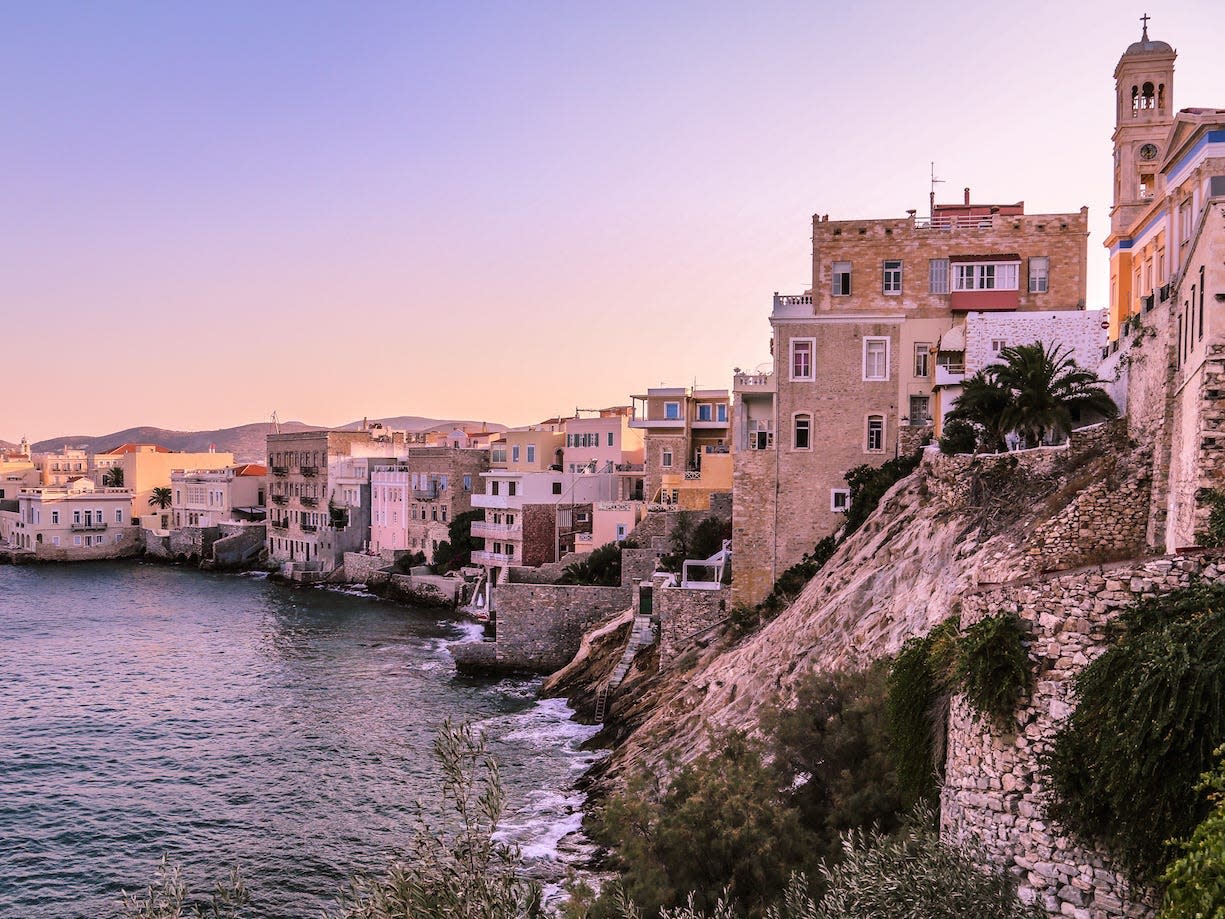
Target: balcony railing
<point x="692" y="475"/>
<point x="280" y="470"/>
<point x="956" y="222"/>
<point x="426" y="494"/>
<point x="278" y="524"/>
<point x="310" y="502"/>
<point x="792" y="300"/>
<point x="309" y="528"/>
<point x="481" y="528"/>
<point x="493" y="558"/>
<point x="918" y="421"/>
<point x="1149" y="302"/>
<point x="309" y="471"/>
<point x="279" y="499"/>
<point x="89" y="527"/>
<point x="754" y="382"/>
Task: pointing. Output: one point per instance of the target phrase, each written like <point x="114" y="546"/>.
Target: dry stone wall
<point x="993" y="790"/>
<point x="685" y="616"/>
<point x="539" y="626"/>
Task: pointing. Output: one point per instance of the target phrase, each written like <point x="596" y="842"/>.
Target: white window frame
<point x="795" y="424"/>
<point x="938" y="275"/>
<point x="531" y="453"/>
<point x="998" y="345"/>
<point x="891" y="277"/>
<point x="720" y="414"/>
<point x="514" y="453"/>
<point x="871" y="339"/>
<point x="672" y="411"/>
<point x="812" y="351"/>
<point x="1039" y="274"/>
<point x="867" y="438"/>
<point x="665" y="458"/>
<point x="706" y="409"/>
<point x="972" y="276"/>
<point x="839" y="500"/>
<point x="923" y="354"/>
<point x="840" y="279"/>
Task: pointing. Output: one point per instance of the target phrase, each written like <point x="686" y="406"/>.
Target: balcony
<point x="1148" y="302"/>
<point x="950" y="374"/>
<point x="309" y="471"/>
<point x="484" y="530"/>
<point x="649" y="423"/>
<point x="498" y="502"/>
<point x="278" y="524"/>
<point x="88" y="527"/>
<point x="959" y="222"/>
<point x="279" y="470"/>
<point x="493" y="558"/>
<point x="309" y="502"/>
<point x="755" y="383"/>
<point x="792" y="305"/>
<point x="309" y="528"/>
<point x="279" y="499"/>
<point x="426" y="494"/>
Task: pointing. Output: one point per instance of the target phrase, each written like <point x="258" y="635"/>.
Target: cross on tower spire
<point x="1144" y="19"/>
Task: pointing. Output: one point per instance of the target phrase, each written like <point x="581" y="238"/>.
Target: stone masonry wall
<point x="361" y="568"/>
<point x="239" y="545"/>
<point x="993" y="790"/>
<point x="685" y="615"/>
<point x="539" y="627"/>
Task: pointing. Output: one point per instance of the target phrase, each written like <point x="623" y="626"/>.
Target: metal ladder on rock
<point x="642" y="635"/>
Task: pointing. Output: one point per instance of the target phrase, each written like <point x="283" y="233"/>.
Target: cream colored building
<point x="66" y="464"/>
<point x="18" y="471"/>
<point x="73" y="522"/>
<point x="681" y="428"/>
<point x="210" y="497"/>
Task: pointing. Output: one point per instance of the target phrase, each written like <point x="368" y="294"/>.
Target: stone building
<point x="857" y="358"/>
<point x="682" y="426"/>
<point x="210" y="497"/>
<point x="413" y="501"/>
<point x="319" y="495"/>
<point x="1167" y="282"/>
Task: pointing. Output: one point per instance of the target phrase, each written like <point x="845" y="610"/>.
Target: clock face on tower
<point x="1148" y="152"/>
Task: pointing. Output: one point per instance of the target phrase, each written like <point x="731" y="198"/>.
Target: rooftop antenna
<point x="276" y="423"/>
<point x="931" y="198"/>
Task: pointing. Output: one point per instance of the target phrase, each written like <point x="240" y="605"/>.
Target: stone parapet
<point x="686" y="617"/>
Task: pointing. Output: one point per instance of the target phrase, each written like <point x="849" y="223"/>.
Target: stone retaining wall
<point x="239" y="545"/>
<point x="686" y="616"/>
<point x="539" y="626"/>
<point x="993" y="787"/>
<point x="361" y="568"/>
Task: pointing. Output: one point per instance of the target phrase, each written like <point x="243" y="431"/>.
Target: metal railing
<point x="309" y="528"/>
<point x="309" y="471"/>
<point x="956" y="222"/>
<point x="309" y="502"/>
<point x="279" y="470"/>
<point x="279" y="499"/>
<point x="88" y="527"/>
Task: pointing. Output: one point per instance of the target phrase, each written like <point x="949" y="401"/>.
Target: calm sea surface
<point x="222" y="719"/>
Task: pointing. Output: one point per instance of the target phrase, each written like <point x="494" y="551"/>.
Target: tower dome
<point x="1147" y="45"/>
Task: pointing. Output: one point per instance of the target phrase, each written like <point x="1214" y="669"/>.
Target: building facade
<point x="73" y="522"/>
<point x="681" y="426"/>
<point x="858" y="358"/>
<point x="210" y="497"/>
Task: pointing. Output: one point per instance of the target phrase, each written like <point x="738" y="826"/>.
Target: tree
<point x="113" y="477"/>
<point x="457" y="550"/>
<point x="981" y="404"/>
<point x="161" y="497"/>
<point x="1046" y="391"/>
<point x="602" y="568"/>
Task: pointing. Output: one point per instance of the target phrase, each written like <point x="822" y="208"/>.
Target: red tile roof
<point x="251" y="469"/>
<point x="133" y="448"/>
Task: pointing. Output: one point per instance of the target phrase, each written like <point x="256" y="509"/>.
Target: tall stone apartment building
<point x="413" y="501"/>
<point x="857" y="358"/>
<point x="681" y="427"/>
<point x="319" y="495"/>
<point x="1167" y="286"/>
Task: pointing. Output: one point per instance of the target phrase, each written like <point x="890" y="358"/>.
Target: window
<point x="841" y="284"/>
<point x="76" y="516"/>
<point x="512" y="488"/>
<point x="986" y="276"/>
<point x="531" y="453"/>
<point x="922" y="357"/>
<point x="665" y="459"/>
<point x="891" y="280"/>
<point x="514" y="453"/>
<point x="720" y="415"/>
<point x="55" y="517"/>
<point x="920" y="412"/>
<point x="610" y="438"/>
<point x="621" y="532"/>
<point x="876" y="434"/>
<point x="468" y="483"/>
<point x="1184" y="222"/>
<point x="760" y="435"/>
<point x="801" y="358"/>
<point x="1038" y="269"/>
<point x="493" y="487"/>
<point x="1201" y="302"/>
<point x="706" y="411"/>
<point x="839" y="499"/>
<point x="803" y="433"/>
<point x="557" y="488"/>
<point x="938" y="275"/>
<point x="672" y="411"/>
<point x="119" y="515"/>
<point x="998" y="345"/>
<point x="876" y="358"/>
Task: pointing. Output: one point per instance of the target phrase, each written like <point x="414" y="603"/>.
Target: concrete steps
<point x="642" y="635"/>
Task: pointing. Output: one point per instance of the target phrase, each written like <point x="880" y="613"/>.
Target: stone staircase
<point x="643" y="634"/>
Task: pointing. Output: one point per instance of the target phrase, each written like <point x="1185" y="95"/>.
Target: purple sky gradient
<point x="500" y="212"/>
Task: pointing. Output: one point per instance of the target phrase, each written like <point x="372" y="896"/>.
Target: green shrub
<point x="868" y="485"/>
<point x="720" y="824"/>
<point x="914" y="874"/>
<point x="1214" y="532"/>
<point x="958" y="436"/>
<point x="993" y="668"/>
<point x="1124" y="767"/>
<point x="832" y="754"/>
<point x="919" y="684"/>
<point x="1195" y="881"/>
<point x="602" y="568"/>
<point x="168" y="898"/>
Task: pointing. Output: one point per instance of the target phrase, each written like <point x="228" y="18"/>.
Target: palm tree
<point x="161" y="497"/>
<point x="113" y="477"/>
<point x="982" y="403"/>
<point x="1045" y="389"/>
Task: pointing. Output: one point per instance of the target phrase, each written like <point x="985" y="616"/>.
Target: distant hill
<point x="246" y="441"/>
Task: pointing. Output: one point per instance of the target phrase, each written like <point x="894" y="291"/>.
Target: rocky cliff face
<point x="956" y="524"/>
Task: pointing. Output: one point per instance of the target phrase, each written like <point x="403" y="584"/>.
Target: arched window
<point x="1135" y="101"/>
<point x="1148" y="96"/>
<point x="802" y="432"/>
<point x="1161" y="98"/>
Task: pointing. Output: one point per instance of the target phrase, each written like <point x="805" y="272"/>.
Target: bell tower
<point x="1144" y="112"/>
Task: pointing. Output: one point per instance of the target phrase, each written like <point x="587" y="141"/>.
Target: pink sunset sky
<point x="497" y="211"/>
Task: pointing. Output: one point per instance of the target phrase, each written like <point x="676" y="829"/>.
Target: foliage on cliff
<point x="993" y="668"/>
<point x="1124" y="768"/>
<point x="456" y="551"/>
<point x="1196" y="879"/>
<point x="920" y="681"/>
<point x="602" y="568"/>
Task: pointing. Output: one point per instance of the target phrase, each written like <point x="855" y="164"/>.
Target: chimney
<point x="967" y="196"/>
